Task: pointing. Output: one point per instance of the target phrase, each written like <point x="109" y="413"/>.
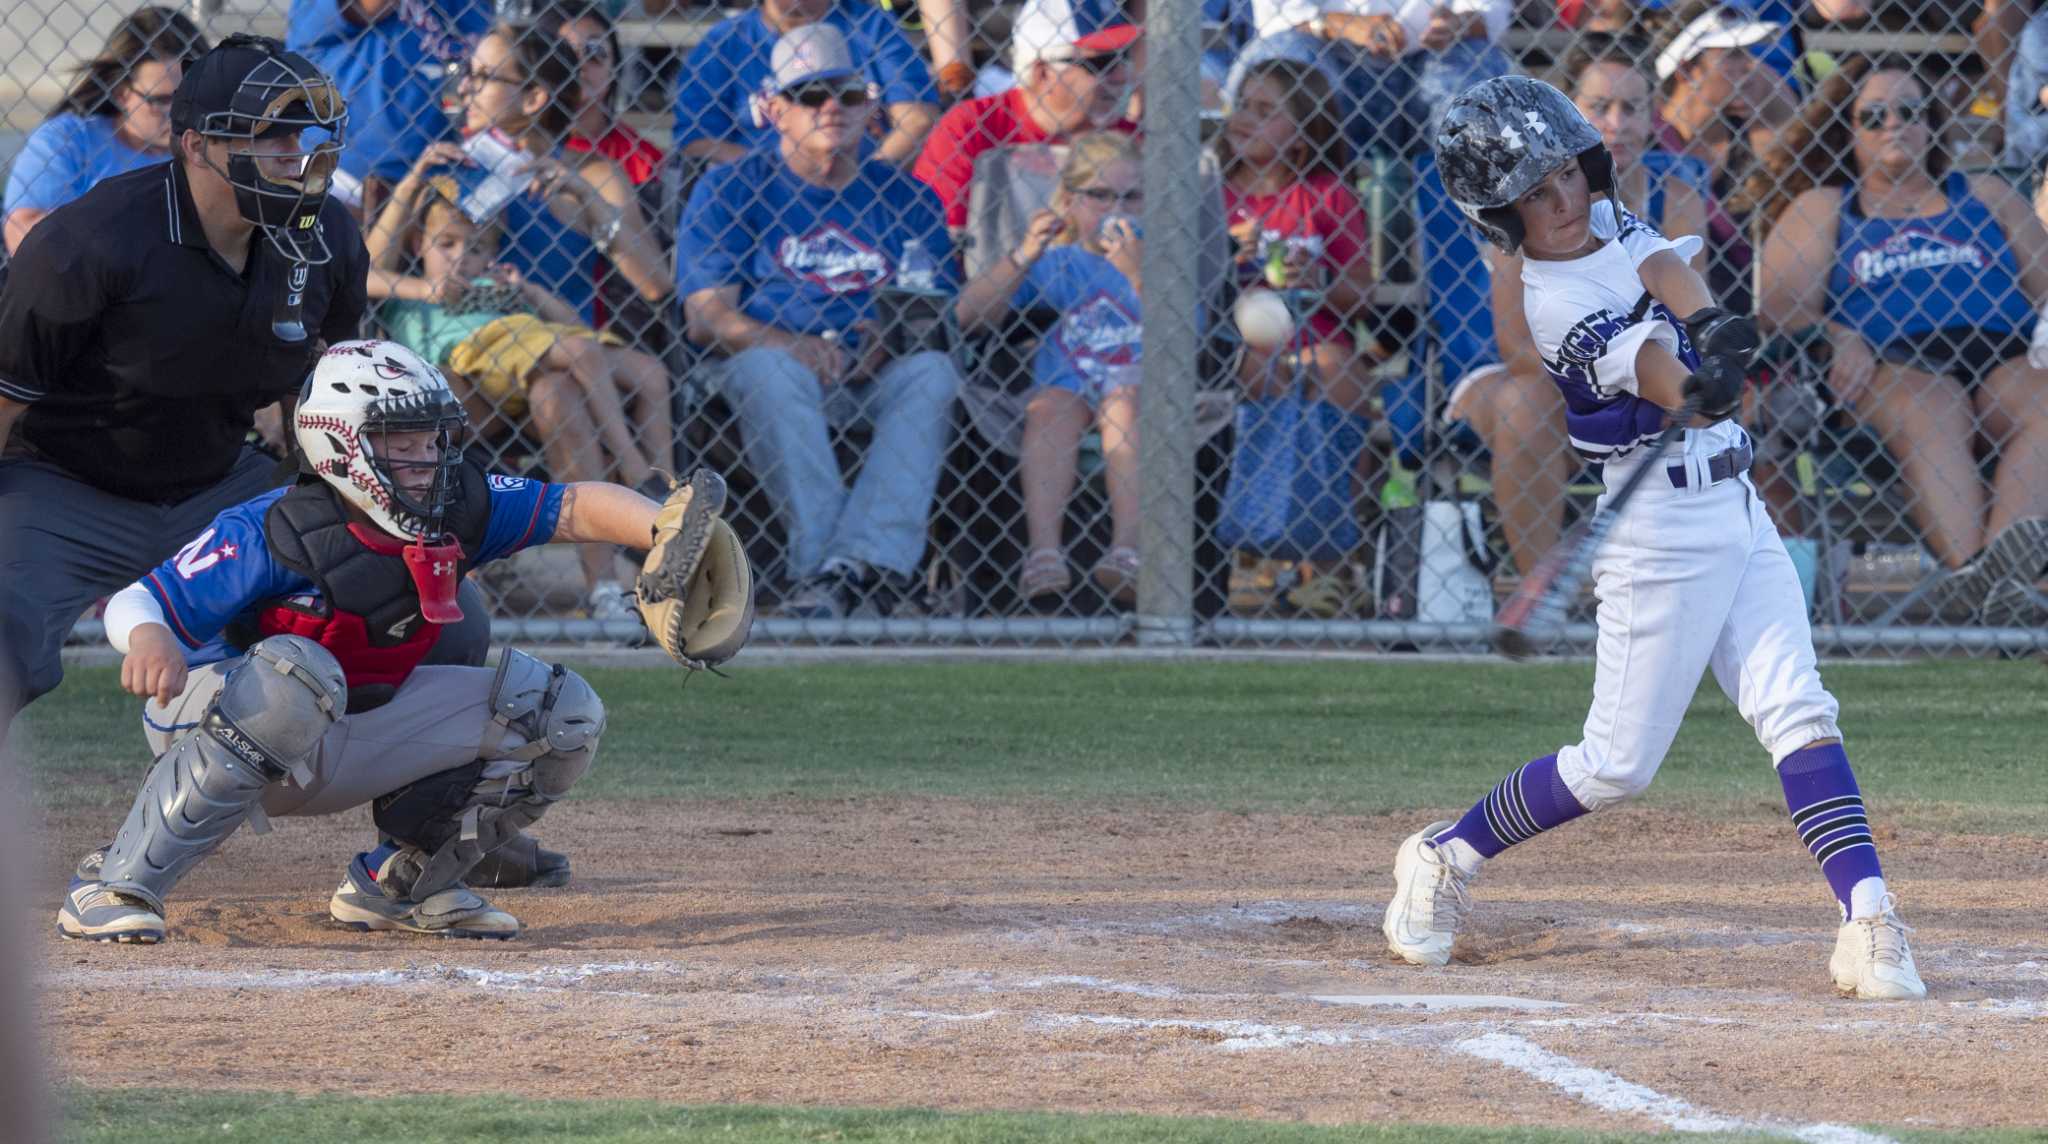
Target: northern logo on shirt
<point x="1913" y="249"/>
<point x="831" y="258"/>
<point x="202" y="553"/>
<point x="1099" y="333"/>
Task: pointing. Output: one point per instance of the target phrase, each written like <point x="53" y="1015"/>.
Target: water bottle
<point x="1109" y="221"/>
<point x="916" y="271"/>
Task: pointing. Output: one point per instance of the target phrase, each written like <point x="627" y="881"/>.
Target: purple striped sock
<point x="1526" y="803"/>
<point x="1827" y="811"/>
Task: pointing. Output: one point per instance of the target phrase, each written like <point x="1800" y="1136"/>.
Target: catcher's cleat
<point x="520" y="862"/>
<point x="377" y="900"/>
<point x="1872" y="960"/>
<point x="1432" y="898"/>
<point x="88" y="869"/>
<point x="92" y="912"/>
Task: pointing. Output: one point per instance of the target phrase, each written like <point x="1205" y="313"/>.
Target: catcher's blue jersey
<point x="228" y="569"/>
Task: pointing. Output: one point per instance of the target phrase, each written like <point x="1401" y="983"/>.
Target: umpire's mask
<point x="284" y="124"/>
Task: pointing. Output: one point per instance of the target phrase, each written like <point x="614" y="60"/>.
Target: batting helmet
<point x="1501" y="138"/>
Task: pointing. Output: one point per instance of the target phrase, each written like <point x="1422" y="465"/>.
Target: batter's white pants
<point x="1690" y="579"/>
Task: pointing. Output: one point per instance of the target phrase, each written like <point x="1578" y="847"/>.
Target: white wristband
<point x="128" y="609"/>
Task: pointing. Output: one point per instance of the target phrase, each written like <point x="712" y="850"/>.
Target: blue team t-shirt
<point x="390" y="72"/>
<point x="730" y="64"/>
<point x="64" y="157"/>
<point x="806" y="258"/>
<point x="228" y="568"/>
<point x="1095" y="346"/>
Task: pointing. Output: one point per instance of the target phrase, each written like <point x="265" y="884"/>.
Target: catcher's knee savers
<point x="264" y="724"/>
<point x="457" y="816"/>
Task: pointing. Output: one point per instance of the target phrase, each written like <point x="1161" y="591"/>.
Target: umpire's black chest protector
<point x="369" y="611"/>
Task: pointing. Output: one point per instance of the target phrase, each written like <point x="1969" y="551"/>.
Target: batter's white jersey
<point x="1693" y="574"/>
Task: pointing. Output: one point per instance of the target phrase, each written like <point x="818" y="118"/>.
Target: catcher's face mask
<point x="283" y="133"/>
<point x="414" y="445"/>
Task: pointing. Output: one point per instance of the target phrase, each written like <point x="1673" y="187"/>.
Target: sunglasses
<point x="1108" y="196"/>
<point x="160" y="102"/>
<point x="817" y="95"/>
<point x="1100" y="65"/>
<point x="596" y="51"/>
<point x="1871" y="116"/>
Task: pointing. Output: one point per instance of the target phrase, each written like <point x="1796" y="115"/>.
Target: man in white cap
<point x="1073" y="64"/>
<point x="726" y="70"/>
<point x="779" y="261"/>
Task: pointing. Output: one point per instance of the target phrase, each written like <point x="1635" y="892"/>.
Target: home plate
<point x="1438" y="1001"/>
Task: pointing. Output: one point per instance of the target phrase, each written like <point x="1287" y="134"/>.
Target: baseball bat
<point x="1538" y="605"/>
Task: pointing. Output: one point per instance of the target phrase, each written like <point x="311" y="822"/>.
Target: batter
<point x="1693" y="575"/>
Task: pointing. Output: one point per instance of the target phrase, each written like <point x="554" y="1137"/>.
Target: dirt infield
<point x="1641" y="969"/>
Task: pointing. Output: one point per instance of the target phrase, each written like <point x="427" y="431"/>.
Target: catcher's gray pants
<point x="436" y="722"/>
<point x="64" y="544"/>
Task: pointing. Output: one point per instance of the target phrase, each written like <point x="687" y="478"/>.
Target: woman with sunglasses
<point x="1933" y="279"/>
<point x="523" y="81"/>
<point x="116" y="118"/>
<point x="587" y="30"/>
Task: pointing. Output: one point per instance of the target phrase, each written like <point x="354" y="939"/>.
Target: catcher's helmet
<point x="364" y="388"/>
<point x="1504" y="136"/>
<point x="252" y="87"/>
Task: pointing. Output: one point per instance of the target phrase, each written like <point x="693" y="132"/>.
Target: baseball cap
<point x="808" y="54"/>
<point x="1068" y="29"/>
<point x="1715" y="28"/>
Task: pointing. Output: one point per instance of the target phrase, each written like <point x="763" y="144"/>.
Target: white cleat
<point x="1872" y="960"/>
<point x="1430" y="904"/>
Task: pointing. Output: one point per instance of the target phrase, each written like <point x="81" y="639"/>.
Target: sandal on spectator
<point x="1045" y="573"/>
<point x="1117" y="574"/>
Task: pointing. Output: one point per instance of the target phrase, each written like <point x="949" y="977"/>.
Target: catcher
<point x="281" y="649"/>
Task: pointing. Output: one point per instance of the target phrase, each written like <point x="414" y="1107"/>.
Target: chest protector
<point x="367" y="612"/>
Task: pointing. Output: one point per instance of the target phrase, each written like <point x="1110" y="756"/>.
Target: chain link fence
<point x="903" y="270"/>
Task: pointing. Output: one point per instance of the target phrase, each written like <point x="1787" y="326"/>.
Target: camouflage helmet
<point x="1501" y="138"/>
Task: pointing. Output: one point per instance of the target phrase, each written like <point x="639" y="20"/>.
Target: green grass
<point x="1935" y="743"/>
<point x="127" y="1115"/>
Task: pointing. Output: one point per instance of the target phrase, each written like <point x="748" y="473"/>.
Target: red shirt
<point x="626" y="147"/>
<point x="971" y="127"/>
<point x="1319" y="213"/>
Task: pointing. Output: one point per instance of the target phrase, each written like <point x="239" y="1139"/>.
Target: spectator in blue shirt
<point x="779" y="262"/>
<point x="391" y="60"/>
<point x="115" y="118"/>
<point x="728" y="71"/>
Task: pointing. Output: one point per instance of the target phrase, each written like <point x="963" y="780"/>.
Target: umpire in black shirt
<point x="141" y="328"/>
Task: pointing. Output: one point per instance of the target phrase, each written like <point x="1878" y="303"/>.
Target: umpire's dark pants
<point x="65" y="544"/>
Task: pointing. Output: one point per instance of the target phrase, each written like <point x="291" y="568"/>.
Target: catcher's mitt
<point x="696" y="593"/>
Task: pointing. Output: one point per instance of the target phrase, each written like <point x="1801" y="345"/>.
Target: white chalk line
<point x="1610" y="1093"/>
<point x="1596" y="1087"/>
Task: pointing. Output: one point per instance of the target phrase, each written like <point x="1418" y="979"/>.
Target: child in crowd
<point x="1082" y="259"/>
<point x="518" y="355"/>
<point x="1283" y="158"/>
